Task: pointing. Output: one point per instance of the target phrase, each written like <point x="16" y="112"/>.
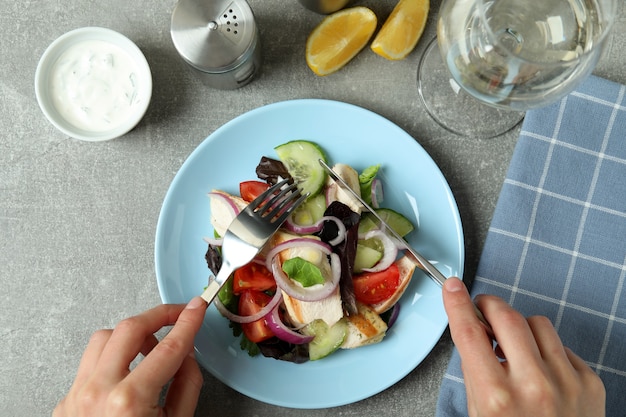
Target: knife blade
<point x="420" y="261"/>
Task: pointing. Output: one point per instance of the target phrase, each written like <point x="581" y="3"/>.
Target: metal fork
<point x="252" y="228"/>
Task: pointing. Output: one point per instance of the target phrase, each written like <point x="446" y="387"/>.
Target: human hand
<point x="538" y="377"/>
<point x="104" y="385"/>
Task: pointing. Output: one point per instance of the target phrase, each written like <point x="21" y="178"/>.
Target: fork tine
<point x="277" y="200"/>
<point x="276" y="205"/>
<point x="283" y="216"/>
<point x="254" y="204"/>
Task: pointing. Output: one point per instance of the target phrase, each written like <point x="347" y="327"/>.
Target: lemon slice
<point x="338" y="38"/>
<point x="402" y="29"/>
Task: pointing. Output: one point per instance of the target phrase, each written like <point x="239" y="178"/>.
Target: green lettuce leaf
<point x="303" y="271"/>
<point x="365" y="181"/>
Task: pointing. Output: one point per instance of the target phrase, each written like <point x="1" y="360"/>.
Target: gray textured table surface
<point x="77" y="219"/>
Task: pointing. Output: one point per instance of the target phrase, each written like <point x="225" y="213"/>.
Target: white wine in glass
<point x="495" y="59"/>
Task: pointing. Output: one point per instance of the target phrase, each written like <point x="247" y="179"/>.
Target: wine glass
<point x="494" y="59"/>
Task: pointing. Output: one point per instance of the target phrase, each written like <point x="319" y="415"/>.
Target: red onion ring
<point x="377" y="192"/>
<point x="395" y="312"/>
<point x="296" y="243"/>
<point x="329" y="192"/>
<point x="390" y="250"/>
<point x="341" y="229"/>
<point x="248" y="319"/>
<point x="300" y="229"/>
<point x="317" y="226"/>
<point x="230" y="203"/>
<point x="314" y="293"/>
<point x="283" y="332"/>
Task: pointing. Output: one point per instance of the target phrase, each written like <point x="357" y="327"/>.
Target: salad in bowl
<point x="329" y="279"/>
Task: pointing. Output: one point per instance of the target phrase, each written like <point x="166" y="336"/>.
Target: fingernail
<point x="196" y="302"/>
<point x="454" y="284"/>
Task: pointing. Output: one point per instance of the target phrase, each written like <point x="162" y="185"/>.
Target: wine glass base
<point x="454" y="109"/>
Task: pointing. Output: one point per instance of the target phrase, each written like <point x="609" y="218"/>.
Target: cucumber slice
<point x="373" y="243"/>
<point x="397" y="221"/>
<point x="367" y="223"/>
<point x="327" y="339"/>
<point x="301" y="158"/>
<point x="366" y="257"/>
<point x="310" y="211"/>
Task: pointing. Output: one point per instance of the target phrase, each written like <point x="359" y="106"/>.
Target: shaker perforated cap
<point x="214" y="36"/>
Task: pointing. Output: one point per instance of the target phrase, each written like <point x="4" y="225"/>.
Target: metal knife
<point x="421" y="262"/>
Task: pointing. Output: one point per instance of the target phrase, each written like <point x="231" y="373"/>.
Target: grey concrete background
<point x="77" y="219"/>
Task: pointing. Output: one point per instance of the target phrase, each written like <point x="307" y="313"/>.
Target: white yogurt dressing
<point x="94" y="85"/>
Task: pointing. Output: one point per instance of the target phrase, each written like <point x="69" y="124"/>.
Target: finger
<point x="166" y="358"/>
<point x="469" y="391"/>
<point x="183" y="393"/>
<point x="90" y="357"/>
<point x="468" y="333"/>
<point x="577" y="362"/>
<point x="59" y="410"/>
<point x="129" y="335"/>
<point x="593" y="383"/>
<point x="512" y="331"/>
<point x="581" y="366"/>
<point x="552" y="351"/>
<point x="547" y="339"/>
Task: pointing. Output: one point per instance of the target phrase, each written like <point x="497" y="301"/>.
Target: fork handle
<point x="211" y="291"/>
<point x="217" y="282"/>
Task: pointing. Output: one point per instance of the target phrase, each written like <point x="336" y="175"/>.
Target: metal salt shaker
<point x="219" y="39"/>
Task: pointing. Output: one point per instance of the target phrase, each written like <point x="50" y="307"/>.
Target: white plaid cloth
<point x="557" y="242"/>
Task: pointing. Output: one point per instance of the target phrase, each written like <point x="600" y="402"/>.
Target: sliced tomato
<point x="253" y="276"/>
<point x="249" y="190"/>
<point x="376" y="287"/>
<point x="251" y="302"/>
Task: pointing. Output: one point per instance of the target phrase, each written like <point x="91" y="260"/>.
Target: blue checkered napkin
<point x="557" y="241"/>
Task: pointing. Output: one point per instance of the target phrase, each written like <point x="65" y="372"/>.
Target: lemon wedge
<point x="402" y="29"/>
<point x="339" y="38"/>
